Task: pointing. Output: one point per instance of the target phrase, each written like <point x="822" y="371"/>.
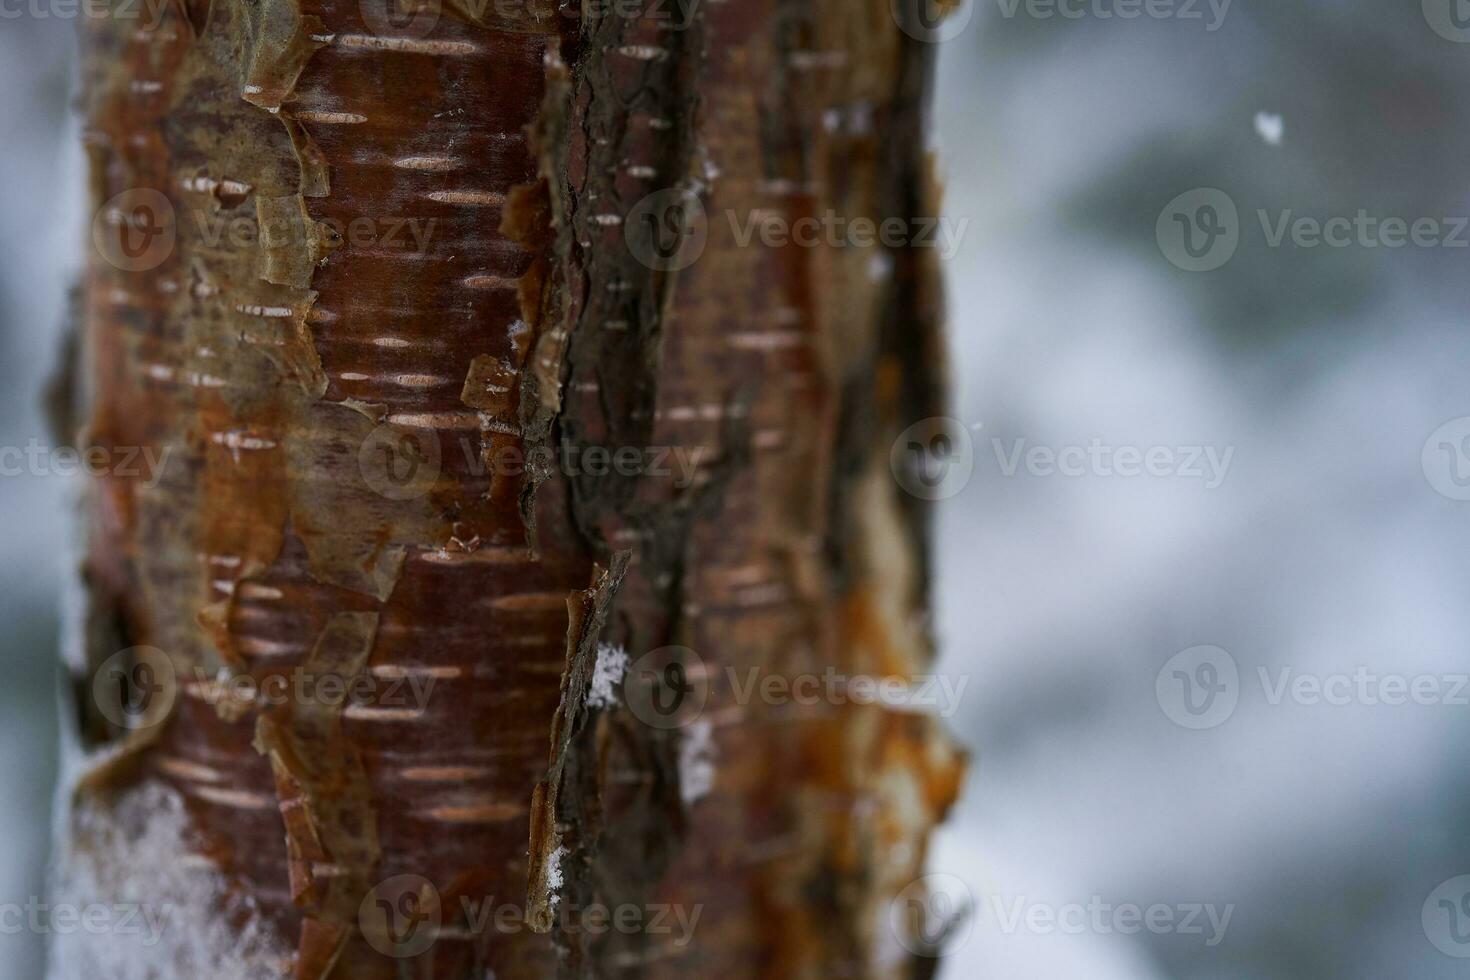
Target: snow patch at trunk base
<point x="167" y="914"/>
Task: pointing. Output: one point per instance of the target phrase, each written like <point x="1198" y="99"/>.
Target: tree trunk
<point x="490" y="463"/>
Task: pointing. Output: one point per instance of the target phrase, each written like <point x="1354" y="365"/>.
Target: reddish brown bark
<point x="295" y="372"/>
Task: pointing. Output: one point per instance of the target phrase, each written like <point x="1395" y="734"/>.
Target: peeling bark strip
<point x="586" y="617"/>
<point x="334" y="413"/>
<point x="326" y="803"/>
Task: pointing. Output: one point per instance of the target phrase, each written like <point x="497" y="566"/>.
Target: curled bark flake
<point x="281" y="40"/>
<point x="587" y="613"/>
<point x="331" y="830"/>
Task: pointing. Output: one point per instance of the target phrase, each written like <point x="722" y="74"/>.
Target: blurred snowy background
<point x="42" y="232"/>
<point x="1325" y="549"/>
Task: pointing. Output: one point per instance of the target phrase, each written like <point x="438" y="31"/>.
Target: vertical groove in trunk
<point x="411" y="284"/>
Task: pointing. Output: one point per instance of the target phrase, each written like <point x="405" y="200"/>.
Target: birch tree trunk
<point x="494" y="459"/>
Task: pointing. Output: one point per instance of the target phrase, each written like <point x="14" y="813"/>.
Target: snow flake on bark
<point x="612" y="666"/>
<point x="555" y="877"/>
<point x="697" y="761"/>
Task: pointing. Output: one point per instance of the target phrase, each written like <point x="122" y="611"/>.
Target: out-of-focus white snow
<point x="1270" y="127"/>
<point x="162" y="906"/>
